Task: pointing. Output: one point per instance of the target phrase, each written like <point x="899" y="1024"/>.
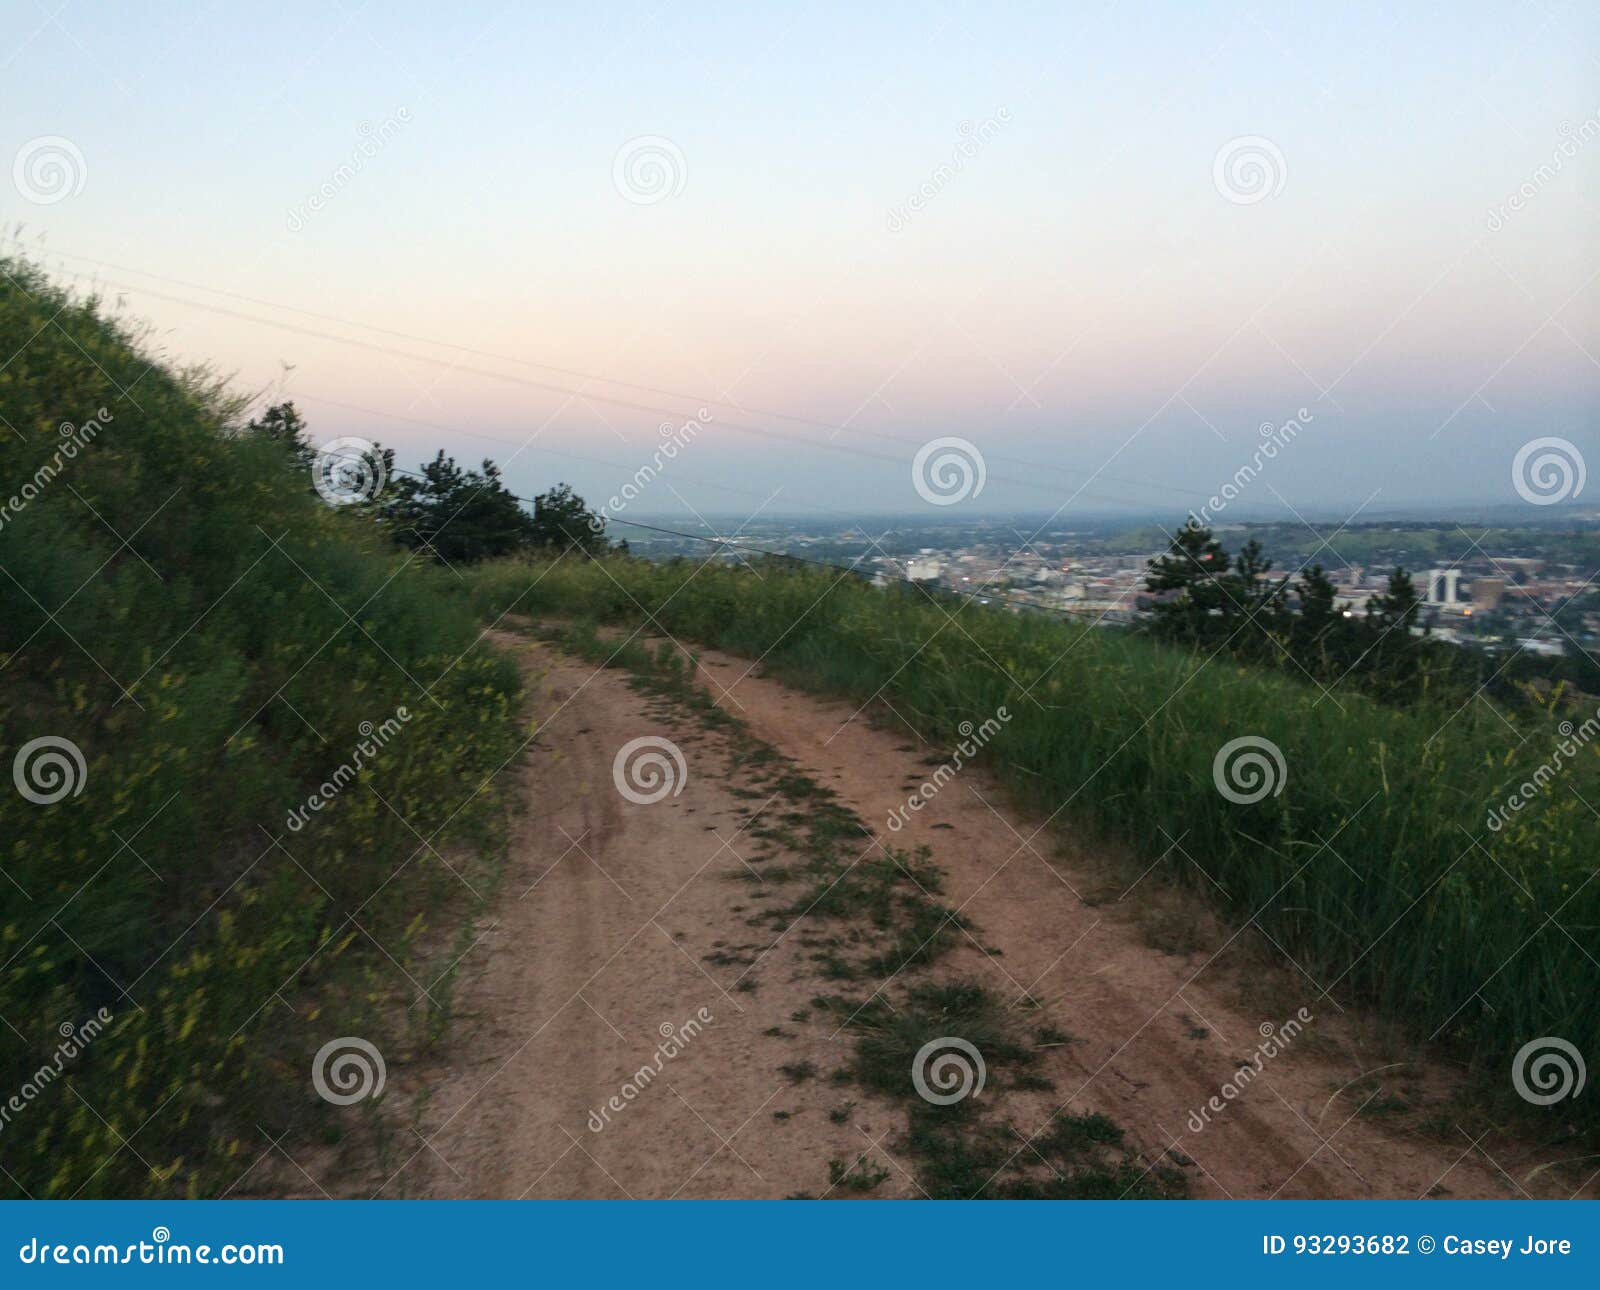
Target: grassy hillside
<point x="214" y="643"/>
<point x="1374" y="867"/>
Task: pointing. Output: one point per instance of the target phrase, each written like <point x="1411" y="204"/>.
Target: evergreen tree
<point x="1196" y="567"/>
<point x="561" y="520"/>
<point x="456" y="515"/>
<point x="1398" y="608"/>
<point x="1317" y="610"/>
<point x="282" y="424"/>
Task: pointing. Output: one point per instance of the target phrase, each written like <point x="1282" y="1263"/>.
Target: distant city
<point x="1489" y="585"/>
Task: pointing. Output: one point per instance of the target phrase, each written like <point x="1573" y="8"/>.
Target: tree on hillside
<point x="561" y="520"/>
<point x="1261" y="599"/>
<point x="1317" y="610"/>
<point x="1195" y="567"/>
<point x="456" y="515"/>
<point x="1398" y="607"/>
<point x="283" y="425"/>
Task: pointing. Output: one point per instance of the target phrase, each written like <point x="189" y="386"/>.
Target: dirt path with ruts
<point x="620" y="970"/>
<point x="617" y="948"/>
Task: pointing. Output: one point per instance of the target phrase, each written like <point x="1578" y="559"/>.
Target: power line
<point x="583" y="394"/>
<point x="558" y="452"/>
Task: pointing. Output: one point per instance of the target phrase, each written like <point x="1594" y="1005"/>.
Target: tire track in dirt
<point x="1163" y="1003"/>
<point x="617" y="917"/>
<point x="599" y="939"/>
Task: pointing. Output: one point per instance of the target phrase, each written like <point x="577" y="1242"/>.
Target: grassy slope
<point x="1373" y="867"/>
<point x="254" y="631"/>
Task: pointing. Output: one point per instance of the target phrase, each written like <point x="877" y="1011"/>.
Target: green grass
<point x="963" y="1151"/>
<point x="859" y="1175"/>
<point x="1373" y="867"/>
<point x="180" y="606"/>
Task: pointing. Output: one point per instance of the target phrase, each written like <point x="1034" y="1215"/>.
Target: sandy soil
<point x="599" y="943"/>
<point x="610" y="909"/>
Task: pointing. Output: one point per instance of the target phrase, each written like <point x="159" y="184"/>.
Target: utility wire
<point x="583" y="394"/>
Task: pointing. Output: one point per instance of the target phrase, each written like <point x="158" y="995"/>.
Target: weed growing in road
<point x="868" y="912"/>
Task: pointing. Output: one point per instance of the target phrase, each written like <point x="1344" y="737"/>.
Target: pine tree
<point x="1399" y="607"/>
<point x="563" y="521"/>
<point x="283" y="425"/>
<point x="457" y="515"/>
<point x="1196" y="567"/>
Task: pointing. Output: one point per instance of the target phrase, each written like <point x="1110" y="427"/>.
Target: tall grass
<point x="176" y="603"/>
<point x="1373" y="867"/>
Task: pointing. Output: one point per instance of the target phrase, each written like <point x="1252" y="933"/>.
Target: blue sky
<point x="879" y="225"/>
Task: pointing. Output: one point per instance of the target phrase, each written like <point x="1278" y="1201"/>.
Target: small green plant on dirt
<point x="859" y="1175"/>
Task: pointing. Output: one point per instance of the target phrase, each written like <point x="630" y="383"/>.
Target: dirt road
<point x="625" y="1029"/>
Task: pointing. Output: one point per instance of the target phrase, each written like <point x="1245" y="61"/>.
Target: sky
<point x="1100" y="246"/>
